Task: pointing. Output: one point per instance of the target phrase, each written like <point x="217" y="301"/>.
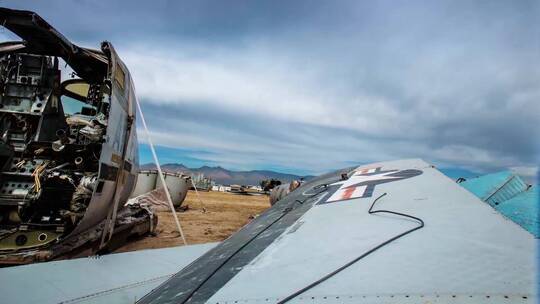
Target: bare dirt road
<point x="225" y="214"/>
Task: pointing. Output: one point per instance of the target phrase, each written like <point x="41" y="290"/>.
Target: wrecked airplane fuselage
<point x="68" y="148"/>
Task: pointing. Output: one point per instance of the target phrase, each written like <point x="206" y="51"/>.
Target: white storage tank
<point x="146" y="182"/>
<point x="177" y="184"/>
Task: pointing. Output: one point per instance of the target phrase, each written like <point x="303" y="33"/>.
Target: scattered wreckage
<point x="280" y="191"/>
<point x="68" y="146"/>
<point x="148" y="185"/>
<point x="389" y="232"/>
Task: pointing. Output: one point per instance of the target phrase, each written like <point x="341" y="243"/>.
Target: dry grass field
<point x="225" y="214"/>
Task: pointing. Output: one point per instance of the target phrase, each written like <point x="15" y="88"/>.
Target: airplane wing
<point x="114" y="278"/>
<point x="391" y="232"/>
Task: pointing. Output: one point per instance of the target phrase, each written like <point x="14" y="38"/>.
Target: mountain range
<point x="227" y="177"/>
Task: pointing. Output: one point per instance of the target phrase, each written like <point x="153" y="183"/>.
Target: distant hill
<point x="228" y="177"/>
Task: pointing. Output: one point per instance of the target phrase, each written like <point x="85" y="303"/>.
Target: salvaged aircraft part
<point x="131" y="222"/>
<point x="283" y="190"/>
<point x="146" y="182"/>
<point x="68" y="152"/>
<point x="245" y="190"/>
<point x="201" y="182"/>
<point x="268" y="184"/>
<point x="43" y="172"/>
<point x="156" y="200"/>
<point x="188" y="183"/>
<point x="178" y="185"/>
<point x="507" y="193"/>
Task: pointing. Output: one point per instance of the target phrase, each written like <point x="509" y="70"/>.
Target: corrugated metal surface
<point x="508" y="194"/>
<point x="496" y="187"/>
<point x="485" y="185"/>
<point x="509" y="189"/>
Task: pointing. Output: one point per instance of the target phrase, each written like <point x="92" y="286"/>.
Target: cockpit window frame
<point x="120" y="77"/>
<point x="71" y="94"/>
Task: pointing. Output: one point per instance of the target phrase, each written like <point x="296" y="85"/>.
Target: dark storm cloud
<point x="199" y="20"/>
<point x="318" y="85"/>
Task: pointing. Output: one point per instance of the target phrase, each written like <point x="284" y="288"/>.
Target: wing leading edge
<point x="466" y="249"/>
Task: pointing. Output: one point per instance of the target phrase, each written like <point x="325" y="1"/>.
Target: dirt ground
<point x="225" y="214"/>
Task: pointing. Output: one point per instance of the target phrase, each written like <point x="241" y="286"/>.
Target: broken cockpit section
<point x="68" y="153"/>
<point x="51" y="137"/>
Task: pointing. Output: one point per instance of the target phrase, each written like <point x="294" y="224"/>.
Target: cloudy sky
<point x="310" y="86"/>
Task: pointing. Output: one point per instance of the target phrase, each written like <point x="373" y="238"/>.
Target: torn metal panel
<point x="41" y="38"/>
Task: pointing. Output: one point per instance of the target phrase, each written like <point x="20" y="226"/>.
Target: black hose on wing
<point x="370" y="211"/>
